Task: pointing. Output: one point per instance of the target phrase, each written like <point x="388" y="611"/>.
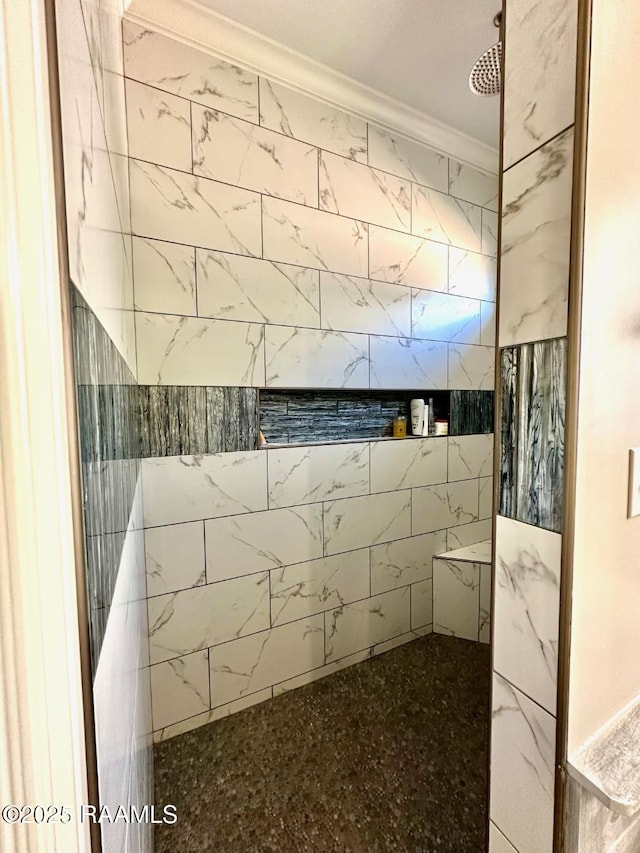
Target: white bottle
<point x="417" y="417"/>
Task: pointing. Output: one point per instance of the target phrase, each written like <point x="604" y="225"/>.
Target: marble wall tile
<point x="312" y="238"/>
<point x="233" y="287"/>
<point x="181" y="208"/>
<point x="488" y="324"/>
<point x="257" y="541"/>
<point x="446" y="219"/>
<point x="421" y="604"/>
<point x="536" y="225"/>
<point x="313" y="587"/>
<point x="445" y="505"/>
<point x="188" y="488"/>
<point x="484" y="619"/>
<point x="407" y="159"/>
<point x="443" y="317"/>
<point x="456" y="598"/>
<point x="471" y="367"/>
<point x="307" y="358"/>
<point x="179" y="688"/>
<point x="211" y="716"/>
<point x="369" y="520"/>
<point x="405" y="561"/>
<point x="471" y="274"/>
<point x="250" y="664"/>
<point x="362" y="624"/>
<point x="540" y="75"/>
<point x="300" y="475"/>
<point x="173" y="66"/>
<point x="407" y="363"/>
<point x="470" y="456"/>
<point x="485" y="497"/>
<point x="400" y="640"/>
<point x="245" y="155"/>
<point x="468" y="534"/>
<point x="489" y="232"/>
<point x="407" y="464"/>
<point x="297" y="115"/>
<point x="498" y="843"/>
<point x="351" y="304"/>
<point x="164" y="277"/>
<point x="321" y="672"/>
<point x="175" y="350"/>
<point x="469" y="184"/>
<point x="527" y="609"/>
<point x="174" y="557"/>
<point x="352" y="189"/>
<point x="159" y="127"/>
<point x="405" y="259"/>
<point x="522" y="769"/>
<point x="192" y="619"/>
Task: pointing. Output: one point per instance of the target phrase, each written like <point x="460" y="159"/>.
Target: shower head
<point x="484" y="79"/>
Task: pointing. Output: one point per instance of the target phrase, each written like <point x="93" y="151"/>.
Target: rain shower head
<point x="484" y="79"/>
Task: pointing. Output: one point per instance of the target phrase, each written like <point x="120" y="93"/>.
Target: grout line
<point x="535" y="150"/>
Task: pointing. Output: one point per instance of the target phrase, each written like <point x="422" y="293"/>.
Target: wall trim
<point x="202" y="28"/>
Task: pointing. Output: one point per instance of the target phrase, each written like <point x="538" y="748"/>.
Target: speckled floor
<point x="389" y="755"/>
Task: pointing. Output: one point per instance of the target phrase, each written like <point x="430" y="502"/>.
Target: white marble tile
<point x="179" y="689"/>
<point x="252" y="663"/>
<point x="192" y="619"/>
<point x="159" y="127"/>
<point x="174" y="557"/>
<point x="406" y="363"/>
<point x="405" y="259"/>
<point x="465" y="535"/>
<point x="540" y="74"/>
<point x="175" y="350"/>
<point x="527" y="608"/>
<point x="484" y="619"/>
<point x="401" y="640"/>
<point x="307" y="358"/>
<point x="485" y="497"/>
<point x="489" y="232"/>
<point x="480" y="552"/>
<point x="469" y="184"/>
<point x="188" y="488"/>
<point x="442" y="506"/>
<point x="351" y="304"/>
<point x="211" y="716"/>
<point x="407" y="159"/>
<point x="470" y="456"/>
<point x="488" y="324"/>
<point x="522" y="769"/>
<point x="245" y="155"/>
<point x="357" y="626"/>
<point x="408" y="463"/>
<point x="446" y="219"/>
<point x="181" y="208"/>
<point x="471" y="368"/>
<point x="233" y="287"/>
<point x="536" y="230"/>
<point x="173" y="66"/>
<point x="498" y="843"/>
<point x="443" y="317"/>
<point x="302" y="475"/>
<point x="320" y="585"/>
<point x="257" y="541"/>
<point x="471" y="274"/>
<point x="305" y="118"/>
<point x="405" y="561"/>
<point x="352" y="189"/>
<point x="422" y="603"/>
<point x="164" y="277"/>
<point x="312" y="238"/>
<point x="456" y="601"/>
<point x="368" y="520"/>
<point x="321" y="672"/>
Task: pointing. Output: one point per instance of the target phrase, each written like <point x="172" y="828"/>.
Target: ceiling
<point x="419" y="52"/>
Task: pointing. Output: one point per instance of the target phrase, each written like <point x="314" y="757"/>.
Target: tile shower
<point x="281" y="244"/>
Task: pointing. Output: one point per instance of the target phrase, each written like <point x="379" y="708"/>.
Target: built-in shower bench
<point x="462" y="592"/>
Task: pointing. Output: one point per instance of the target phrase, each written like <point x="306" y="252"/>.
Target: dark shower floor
<point x="387" y="755"/>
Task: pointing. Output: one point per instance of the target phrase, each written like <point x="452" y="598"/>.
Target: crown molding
<point x="202" y="28"/>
